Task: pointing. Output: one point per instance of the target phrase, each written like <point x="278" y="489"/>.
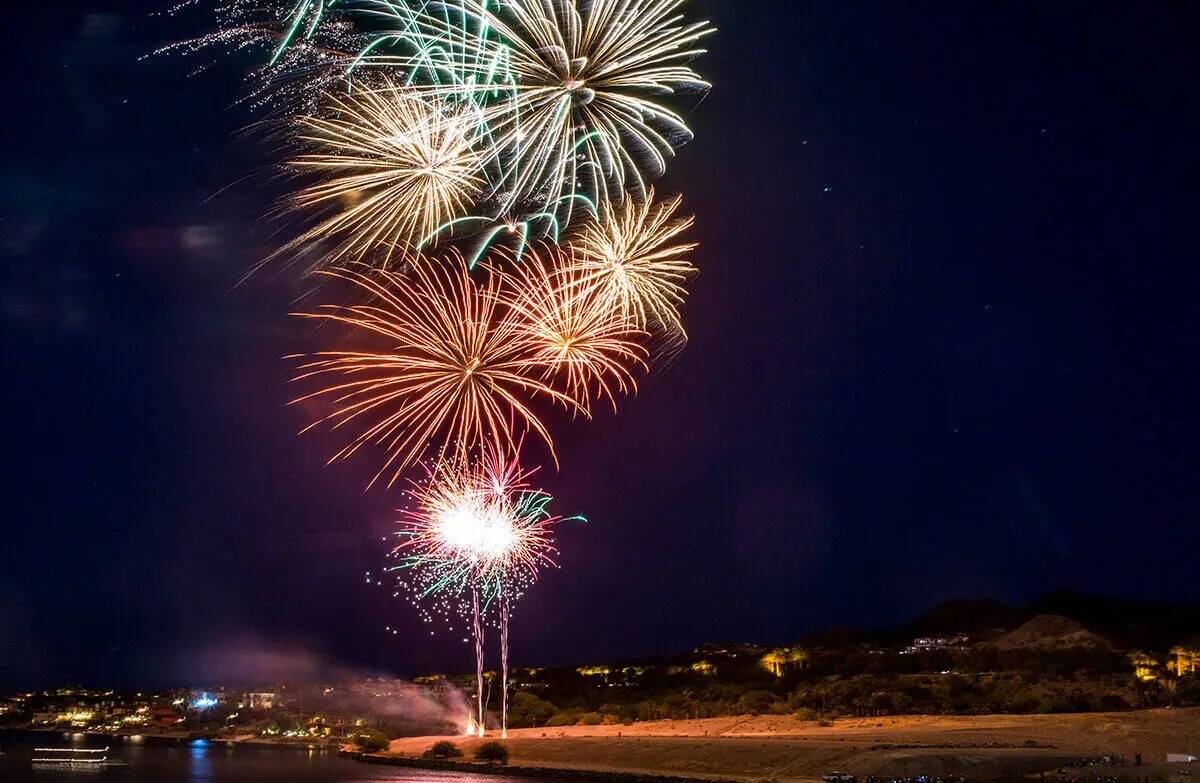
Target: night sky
<point x="944" y="344"/>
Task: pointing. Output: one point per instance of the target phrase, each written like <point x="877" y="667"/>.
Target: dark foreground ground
<point x="993" y="747"/>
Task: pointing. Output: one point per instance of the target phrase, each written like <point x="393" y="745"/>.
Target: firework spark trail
<point x="478" y="629"/>
<point x="455" y="365"/>
<point x="504" y="665"/>
<point x="567" y="93"/>
<point x="307" y="46"/>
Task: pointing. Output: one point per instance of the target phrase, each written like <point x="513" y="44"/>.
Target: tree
<point x="526" y="710"/>
<point x="372" y="740"/>
<point x="443" y="750"/>
<point x="492" y="753"/>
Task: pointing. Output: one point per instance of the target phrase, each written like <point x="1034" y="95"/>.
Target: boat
<point x="72" y="757"/>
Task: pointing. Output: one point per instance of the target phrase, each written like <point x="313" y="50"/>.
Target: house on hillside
<point x="261" y="700"/>
<point x="930" y="643"/>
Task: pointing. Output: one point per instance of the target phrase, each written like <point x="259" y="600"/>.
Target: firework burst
<point x="454" y="364"/>
<point x="572" y="91"/>
<point x="587" y="346"/>
<point x="476" y="524"/>
<point x="632" y="258"/>
<point x="391" y="167"/>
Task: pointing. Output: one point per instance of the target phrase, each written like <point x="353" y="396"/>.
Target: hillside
<point x="1050" y="631"/>
<point x="973" y="616"/>
<point x="960" y="658"/>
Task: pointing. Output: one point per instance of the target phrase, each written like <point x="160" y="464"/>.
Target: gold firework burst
<point x="454" y="364"/>
<point x="393" y="167"/>
<point x="583" y="342"/>
<point x="628" y="257"/>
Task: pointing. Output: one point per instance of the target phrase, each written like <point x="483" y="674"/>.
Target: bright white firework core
<point x="475" y="528"/>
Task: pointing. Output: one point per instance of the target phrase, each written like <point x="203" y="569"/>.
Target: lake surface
<point x="154" y="761"/>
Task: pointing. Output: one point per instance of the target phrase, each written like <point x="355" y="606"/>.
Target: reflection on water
<point x="158" y="761"/>
<point x="201" y="767"/>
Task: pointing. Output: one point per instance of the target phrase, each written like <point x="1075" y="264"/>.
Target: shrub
<point x="372" y="740"/>
<point x="443" y="750"/>
<point x="492" y="752"/>
<point x="567" y="717"/>
<point x="591" y="719"/>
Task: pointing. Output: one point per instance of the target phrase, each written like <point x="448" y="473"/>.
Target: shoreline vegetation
<point x="782" y="748"/>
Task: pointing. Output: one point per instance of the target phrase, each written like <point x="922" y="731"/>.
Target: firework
<point x="489" y="124"/>
<point x="586" y="345"/>
<point x="629" y="259"/>
<point x="301" y="22"/>
<point x="454" y="364"/>
<point x="477" y="534"/>
<point x="305" y="46"/>
<point x="572" y="92"/>
<point x="476" y="523"/>
<point x="391" y="168"/>
<point x="504" y="226"/>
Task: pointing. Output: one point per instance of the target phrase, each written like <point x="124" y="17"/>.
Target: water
<point x="158" y="761"/>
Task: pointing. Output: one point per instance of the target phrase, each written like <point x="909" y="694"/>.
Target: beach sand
<point x="990" y="747"/>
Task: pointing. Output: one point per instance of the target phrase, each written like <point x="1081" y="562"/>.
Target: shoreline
<point x="519" y="770"/>
<point x="175" y="739"/>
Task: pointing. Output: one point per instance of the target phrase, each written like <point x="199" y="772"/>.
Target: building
<point x="262" y="700"/>
<point x="930" y="643"/>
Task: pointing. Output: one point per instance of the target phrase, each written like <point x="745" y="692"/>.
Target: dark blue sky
<point x="944" y="343"/>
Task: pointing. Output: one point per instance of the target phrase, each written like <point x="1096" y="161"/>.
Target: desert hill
<point x="1050" y="631"/>
<point x="972" y="616"/>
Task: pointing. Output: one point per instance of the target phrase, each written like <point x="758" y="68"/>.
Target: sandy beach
<point x="988" y="747"/>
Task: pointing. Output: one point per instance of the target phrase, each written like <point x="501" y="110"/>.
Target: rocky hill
<point x="1050" y="632"/>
